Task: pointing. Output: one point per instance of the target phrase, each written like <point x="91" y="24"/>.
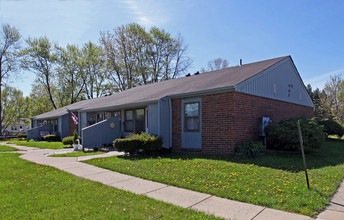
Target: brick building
<point x="209" y="113"/>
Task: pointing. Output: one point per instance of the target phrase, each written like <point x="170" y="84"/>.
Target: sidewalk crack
<point x="199" y="202"/>
<point x="155" y="190"/>
<point x="337" y="203"/>
<point x="258" y="213"/>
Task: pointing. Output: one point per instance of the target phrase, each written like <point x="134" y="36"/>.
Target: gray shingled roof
<point x="209" y="81"/>
<point x="61" y="111"/>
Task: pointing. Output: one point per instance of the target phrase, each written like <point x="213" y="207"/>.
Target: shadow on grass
<point x="331" y="153"/>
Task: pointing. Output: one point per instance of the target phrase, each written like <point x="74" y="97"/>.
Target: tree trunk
<point x="49" y="91"/>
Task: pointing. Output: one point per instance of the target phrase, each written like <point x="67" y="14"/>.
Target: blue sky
<point x="310" y="31"/>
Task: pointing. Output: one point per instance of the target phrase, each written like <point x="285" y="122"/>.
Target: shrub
<point x="127" y="145"/>
<point x="22" y="136"/>
<point x="251" y="149"/>
<point x="133" y="143"/>
<point x="76" y="137"/>
<point x="52" y="137"/>
<point x="69" y="140"/>
<point x="148" y="142"/>
<point x="332" y="127"/>
<point x="284" y="135"/>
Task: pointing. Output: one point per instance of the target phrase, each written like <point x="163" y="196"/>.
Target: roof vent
<point x="240" y="62"/>
<point x="196" y="73"/>
<point x="188" y="75"/>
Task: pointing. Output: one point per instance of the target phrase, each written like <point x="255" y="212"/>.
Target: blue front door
<point x="192" y="123"/>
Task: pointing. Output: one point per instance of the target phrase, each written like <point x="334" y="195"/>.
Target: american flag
<point x="75" y="119"/>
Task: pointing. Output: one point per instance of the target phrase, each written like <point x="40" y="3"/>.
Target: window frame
<point x="186" y="117"/>
<point x="126" y="120"/>
<point x="134" y="119"/>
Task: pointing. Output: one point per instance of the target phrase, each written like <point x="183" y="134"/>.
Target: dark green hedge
<point x="52" y="137"/>
<point x="251" y="149"/>
<point x="22" y="135"/>
<point x="136" y="142"/>
<point x="284" y="135"/>
<point x="69" y="140"/>
<point x="332" y="127"/>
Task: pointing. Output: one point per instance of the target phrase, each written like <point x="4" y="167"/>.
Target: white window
<point x="191" y="116"/>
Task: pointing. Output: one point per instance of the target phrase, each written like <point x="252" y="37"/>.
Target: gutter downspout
<point x="79" y="123"/>
<point x="170" y="105"/>
<point x="159" y="109"/>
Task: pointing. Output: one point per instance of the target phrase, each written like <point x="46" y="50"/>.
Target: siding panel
<point x="164" y="105"/>
<point x="284" y="76"/>
<point x="101" y="133"/>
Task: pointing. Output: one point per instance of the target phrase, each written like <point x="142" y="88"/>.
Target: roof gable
<point x="280" y="81"/>
<point x="224" y="78"/>
<point x="213" y="81"/>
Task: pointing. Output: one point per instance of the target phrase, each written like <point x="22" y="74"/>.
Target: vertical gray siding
<point x="101" y="133"/>
<point x="152" y="117"/>
<point x="164" y="127"/>
<point x="79" y="123"/>
<point x="64" y="125"/>
<point x="34" y="133"/>
<point x="59" y="126"/>
<point x="281" y="82"/>
<point x="82" y="121"/>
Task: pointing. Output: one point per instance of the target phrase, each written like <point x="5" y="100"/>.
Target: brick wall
<point x="249" y="110"/>
<point x="176" y="124"/>
<point x="233" y="117"/>
<point x="217" y="123"/>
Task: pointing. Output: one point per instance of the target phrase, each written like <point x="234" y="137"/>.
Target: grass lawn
<point x="48" y="145"/>
<point x="7" y="148"/>
<point x="275" y="180"/>
<point x="76" y="154"/>
<point x="30" y="191"/>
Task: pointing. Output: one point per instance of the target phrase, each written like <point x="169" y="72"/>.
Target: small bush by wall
<point x="51" y="137"/>
<point x="127" y="145"/>
<point x="69" y="140"/>
<point x="284" y="135"/>
<point x="22" y="136"/>
<point x="136" y="142"/>
<point x="251" y="149"/>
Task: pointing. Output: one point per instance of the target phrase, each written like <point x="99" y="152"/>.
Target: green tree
<point x="15" y="106"/>
<point x="70" y="75"/>
<point x="40" y="102"/>
<point x="319" y="110"/>
<point x="40" y="58"/>
<point x="332" y="98"/>
<point x="9" y="48"/>
<point x="137" y="57"/>
<point x="120" y="56"/>
<point x="95" y="76"/>
<point x="167" y="55"/>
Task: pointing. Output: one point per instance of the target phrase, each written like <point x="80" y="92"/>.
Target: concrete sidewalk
<point x="185" y="198"/>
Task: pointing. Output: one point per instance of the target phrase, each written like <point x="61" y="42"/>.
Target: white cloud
<point x="148" y="13"/>
<point x="320" y="80"/>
